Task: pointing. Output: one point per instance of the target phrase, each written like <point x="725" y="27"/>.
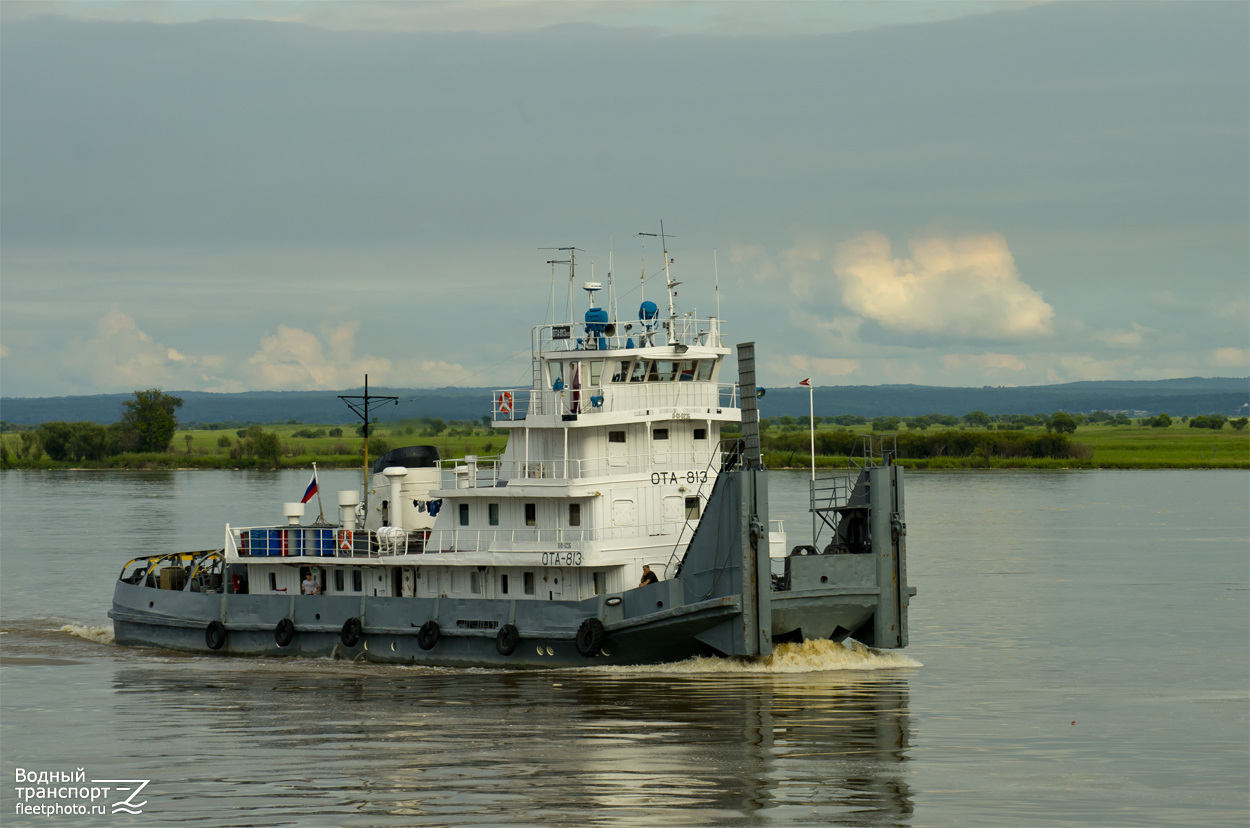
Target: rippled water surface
<point x="1078" y="656"/>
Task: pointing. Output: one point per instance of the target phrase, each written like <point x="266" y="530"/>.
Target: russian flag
<point x="311" y="490"/>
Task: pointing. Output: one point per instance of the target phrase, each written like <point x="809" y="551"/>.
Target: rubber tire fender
<point x="428" y="635"/>
<point x="590" y="637"/>
<point x="508" y="639"/>
<point x="350" y="634"/>
<point x="284" y="633"/>
<point x="215" y="635"/>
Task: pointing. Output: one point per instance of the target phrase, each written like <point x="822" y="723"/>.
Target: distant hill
<point x="1178" y="397"/>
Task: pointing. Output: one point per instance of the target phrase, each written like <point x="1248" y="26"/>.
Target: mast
<point x="670" y="284"/>
<point x="360" y="405"/>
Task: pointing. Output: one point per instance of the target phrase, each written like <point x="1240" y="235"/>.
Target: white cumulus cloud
<point x="966" y="287"/>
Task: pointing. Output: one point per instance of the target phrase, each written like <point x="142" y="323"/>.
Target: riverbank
<point x="299" y="446"/>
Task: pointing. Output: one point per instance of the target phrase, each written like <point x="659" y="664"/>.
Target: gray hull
<point x="722" y="602"/>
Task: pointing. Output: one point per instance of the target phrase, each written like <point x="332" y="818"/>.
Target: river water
<point x="1079" y="655"/>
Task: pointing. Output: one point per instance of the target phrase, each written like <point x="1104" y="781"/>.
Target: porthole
<point x="824" y="579"/>
<point x="151" y="604"/>
<point x="318" y="616"/>
<point x="614" y="601"/>
<point x="392" y="646"/>
<point x="366" y="645"/>
<point x="603" y="651"/>
<point x="550" y="651"/>
<point x="659" y="603"/>
<point x="540" y="649"/>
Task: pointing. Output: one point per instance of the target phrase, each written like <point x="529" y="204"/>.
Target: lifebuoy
<point x="505" y="402"/>
<point x="350" y="633"/>
<point x="427" y="636"/>
<point x="590" y="637"/>
<point x="215" y="635"/>
<point x="507" y="640"/>
<point x="284" y="633"/>
<point x="345" y="540"/>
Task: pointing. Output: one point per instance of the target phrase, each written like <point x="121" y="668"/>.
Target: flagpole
<point x="811" y="424"/>
<point x="321" y="512"/>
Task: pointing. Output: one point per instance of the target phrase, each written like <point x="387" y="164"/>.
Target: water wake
<point x="99" y="635"/>
<point x="814" y="656"/>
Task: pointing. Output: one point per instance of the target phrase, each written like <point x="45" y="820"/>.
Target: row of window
<point x="657" y="434"/>
<point x="560" y="374"/>
<point x="531" y="514"/>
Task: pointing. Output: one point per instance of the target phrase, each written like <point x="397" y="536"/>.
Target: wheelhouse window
<point x="663" y="371"/>
<point x="687" y="370"/>
<point x="531" y="514"/>
<point x="555" y="373"/>
<point x="596" y="372"/>
<point x="492" y="510"/>
<point x="705" y="369"/>
<point x="464" y="514"/>
<point x="639" y="372"/>
<point x="575" y="514"/>
<point x="620" y="372"/>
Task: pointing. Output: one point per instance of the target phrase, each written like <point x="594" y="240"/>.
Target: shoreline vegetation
<point x="1002" y="444"/>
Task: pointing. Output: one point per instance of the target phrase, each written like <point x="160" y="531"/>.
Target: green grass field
<point x="1126" y="447"/>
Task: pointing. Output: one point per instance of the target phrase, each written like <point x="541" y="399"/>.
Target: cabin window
<point x="692" y="508"/>
<point x="640" y="371"/>
<point x="700" y="434"/>
<point x="358" y="584"/>
<point x="555" y="371"/>
<point x="464" y="514"/>
<point x="503" y="584"/>
<point x="273" y="582"/>
<point x="492" y="510"/>
<point x="600" y="583"/>
<point x="529" y="583"/>
<point x="531" y="514"/>
<point x="475" y="582"/>
<point x="575" y="514"/>
<point x="705" y="369"/>
<point x="338" y="580"/>
<point x="616" y="436"/>
<point x="596" y="372"/>
<point x="687" y="370"/>
<point x="660" y="434"/>
<point x="621" y="372"/>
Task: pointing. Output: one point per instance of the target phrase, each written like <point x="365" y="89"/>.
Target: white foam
<point x="813" y="656"/>
<point x="100" y="635"/>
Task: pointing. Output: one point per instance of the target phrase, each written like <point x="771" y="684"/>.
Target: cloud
<point x="1238" y="358"/>
<point x="1084" y="367"/>
<point x="294" y="359"/>
<point x="122" y="355"/>
<point x="966" y="287"/>
<point x="987" y="363"/>
<point x="4" y="351"/>
<point x="1124" y="339"/>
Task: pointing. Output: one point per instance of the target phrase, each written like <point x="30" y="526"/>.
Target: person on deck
<point x="648" y="577"/>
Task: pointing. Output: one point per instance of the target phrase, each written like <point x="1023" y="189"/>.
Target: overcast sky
<point x="248" y="196"/>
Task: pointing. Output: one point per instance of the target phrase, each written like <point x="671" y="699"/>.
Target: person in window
<point x="310" y="586"/>
<point x="648" y="577"/>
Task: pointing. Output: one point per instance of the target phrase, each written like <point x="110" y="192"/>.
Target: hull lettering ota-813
<point x="535" y="557"/>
